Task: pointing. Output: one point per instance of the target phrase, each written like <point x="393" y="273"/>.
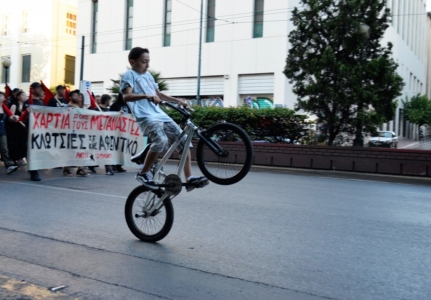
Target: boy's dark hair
<point x="73" y="92"/>
<point x="136" y="52"/>
<point x="59" y="87"/>
<point x="105" y="99"/>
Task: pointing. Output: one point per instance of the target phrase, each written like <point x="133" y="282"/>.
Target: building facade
<point x="245" y="43"/>
<point x="39" y="37"/>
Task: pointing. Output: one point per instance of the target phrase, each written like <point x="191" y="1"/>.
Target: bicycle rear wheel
<point x="148" y="228"/>
<point x="235" y="164"/>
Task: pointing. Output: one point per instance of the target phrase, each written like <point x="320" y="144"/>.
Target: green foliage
<point x="418" y="110"/>
<point x="341" y="75"/>
<point x="115" y="88"/>
<point x="273" y="125"/>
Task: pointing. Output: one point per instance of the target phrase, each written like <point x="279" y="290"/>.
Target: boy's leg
<point x="188" y="166"/>
<point x="149" y="161"/>
<point x="159" y="143"/>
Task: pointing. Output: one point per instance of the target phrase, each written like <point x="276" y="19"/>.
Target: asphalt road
<point x="275" y="235"/>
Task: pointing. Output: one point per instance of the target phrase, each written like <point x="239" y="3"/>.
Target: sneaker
<point x="66" y="172"/>
<point x="198" y="182"/>
<point x="120" y="169"/>
<point x="34" y="176"/>
<point x="82" y="173"/>
<point x="110" y="173"/>
<point x="147" y="180"/>
<point x="92" y="170"/>
<point x="22" y="162"/>
<point x="11" y="169"/>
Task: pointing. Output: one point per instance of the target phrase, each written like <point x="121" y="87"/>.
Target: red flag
<point x="30" y="98"/>
<point x="8" y="91"/>
<point x="48" y="94"/>
<point x="66" y="94"/>
<point x="93" y="102"/>
<point x="7" y="110"/>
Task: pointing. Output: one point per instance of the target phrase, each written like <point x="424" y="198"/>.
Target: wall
<point x="367" y="160"/>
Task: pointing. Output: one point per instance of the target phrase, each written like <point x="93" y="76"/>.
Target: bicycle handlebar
<point x="181" y="110"/>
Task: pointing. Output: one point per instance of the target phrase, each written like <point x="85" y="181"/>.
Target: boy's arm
<point x="128" y="96"/>
<point x="172" y="99"/>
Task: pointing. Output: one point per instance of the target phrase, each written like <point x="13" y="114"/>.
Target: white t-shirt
<point x="143" y="110"/>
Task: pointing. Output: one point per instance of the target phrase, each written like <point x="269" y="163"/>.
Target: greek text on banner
<point x="68" y="136"/>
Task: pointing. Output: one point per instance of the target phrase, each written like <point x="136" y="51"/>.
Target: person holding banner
<point x="105" y="101"/>
<point x="140" y="90"/>
<point x="4" y="116"/>
<point x="75" y="102"/>
<point x="36" y="98"/>
<point x="59" y="99"/>
<point x="16" y="133"/>
<point x="121" y="106"/>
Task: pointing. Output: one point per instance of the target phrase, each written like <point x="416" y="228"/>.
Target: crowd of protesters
<point x="14" y="133"/>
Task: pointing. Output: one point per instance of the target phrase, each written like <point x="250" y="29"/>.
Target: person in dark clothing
<point x="37" y="100"/>
<point x="105" y="101"/>
<point x="121" y="106"/>
<point x="59" y="100"/>
<point x="16" y="133"/>
<point x="8" y="162"/>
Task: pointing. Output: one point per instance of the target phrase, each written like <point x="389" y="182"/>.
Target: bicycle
<point x="224" y="155"/>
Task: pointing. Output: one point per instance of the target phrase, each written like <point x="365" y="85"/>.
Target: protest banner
<point x="66" y="136"/>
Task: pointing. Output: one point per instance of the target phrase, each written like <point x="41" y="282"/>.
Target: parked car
<point x="387" y="139"/>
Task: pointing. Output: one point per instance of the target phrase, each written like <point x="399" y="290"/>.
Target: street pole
<point x="81" y="76"/>
<point x="198" y="94"/>
<point x="6" y="73"/>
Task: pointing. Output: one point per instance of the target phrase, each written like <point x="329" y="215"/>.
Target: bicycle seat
<point x="139" y="158"/>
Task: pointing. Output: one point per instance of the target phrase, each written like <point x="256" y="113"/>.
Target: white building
<point x="244" y="47"/>
<point x="39" y="37"/>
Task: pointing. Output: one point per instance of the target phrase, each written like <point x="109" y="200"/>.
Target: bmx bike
<point x="224" y="155"/>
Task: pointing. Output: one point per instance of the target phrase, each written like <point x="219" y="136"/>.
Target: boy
<point x="142" y="93"/>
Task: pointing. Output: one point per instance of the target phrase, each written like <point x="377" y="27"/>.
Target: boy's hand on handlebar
<point x="156" y="100"/>
<point x="185" y="104"/>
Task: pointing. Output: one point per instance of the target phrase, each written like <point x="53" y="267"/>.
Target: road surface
<point x="275" y="235"/>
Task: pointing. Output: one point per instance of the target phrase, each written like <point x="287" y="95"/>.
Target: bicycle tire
<point x="129" y="214"/>
<point x="243" y="163"/>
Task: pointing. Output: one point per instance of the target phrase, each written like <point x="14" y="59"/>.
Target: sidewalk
<point x="405" y="143"/>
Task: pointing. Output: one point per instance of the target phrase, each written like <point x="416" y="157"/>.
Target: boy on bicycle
<point x="142" y="93"/>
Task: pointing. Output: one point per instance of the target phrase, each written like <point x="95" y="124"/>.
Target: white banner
<point x="65" y="136"/>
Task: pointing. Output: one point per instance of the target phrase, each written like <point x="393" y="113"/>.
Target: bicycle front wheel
<point x="145" y="226"/>
<point x="236" y="162"/>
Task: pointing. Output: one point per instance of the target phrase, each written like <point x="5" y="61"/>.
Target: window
<point x="26" y="68"/>
<point x="94" y="27"/>
<point x="69" y="70"/>
<point x="25" y="21"/>
<point x="210" y="21"/>
<point x="3" y="71"/>
<point x="5" y="29"/>
<point x="258" y="19"/>
<point x="129" y="24"/>
<point x="168" y="21"/>
<point x="71" y="24"/>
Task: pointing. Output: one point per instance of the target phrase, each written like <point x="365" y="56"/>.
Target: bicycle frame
<point x="189" y="130"/>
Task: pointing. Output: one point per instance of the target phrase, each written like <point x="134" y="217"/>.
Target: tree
<point x="418" y="110"/>
<point x="341" y="75"/>
<point x="115" y="88"/>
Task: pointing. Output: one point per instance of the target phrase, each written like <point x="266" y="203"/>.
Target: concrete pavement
<point x="275" y="235"/>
